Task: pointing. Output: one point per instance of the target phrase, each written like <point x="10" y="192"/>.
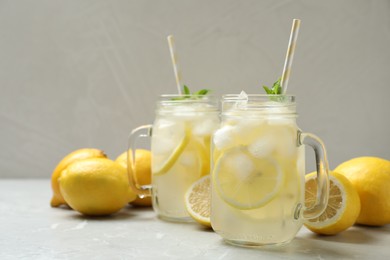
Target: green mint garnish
<point x="186" y="90"/>
<point x="187" y="93"/>
<point x="275" y="90"/>
<point x="202" y="92"/>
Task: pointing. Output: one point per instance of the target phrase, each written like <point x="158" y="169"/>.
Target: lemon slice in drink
<point x="343" y="205"/>
<point x="203" y="155"/>
<point x="195" y="158"/>
<point x="246" y="182"/>
<point x="163" y="161"/>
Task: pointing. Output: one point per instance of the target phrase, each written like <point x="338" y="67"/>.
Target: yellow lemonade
<point x="180" y="154"/>
<point x="258" y="169"/>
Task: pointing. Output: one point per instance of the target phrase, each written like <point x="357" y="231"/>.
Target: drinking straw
<point x="290" y="55"/>
<point x="176" y="69"/>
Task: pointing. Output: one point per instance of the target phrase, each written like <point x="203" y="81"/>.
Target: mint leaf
<point x="186" y="90"/>
<point x="267" y="90"/>
<point x="202" y="92"/>
<point x="187" y="93"/>
<point x="275" y="90"/>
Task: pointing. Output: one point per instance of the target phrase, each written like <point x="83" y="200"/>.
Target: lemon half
<point x="197" y="200"/>
<point x="343" y="205"/>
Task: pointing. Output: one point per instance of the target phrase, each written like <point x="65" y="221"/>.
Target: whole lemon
<point x="79" y="154"/>
<point x="143" y="173"/>
<point x="371" y="178"/>
<point x="96" y="186"/>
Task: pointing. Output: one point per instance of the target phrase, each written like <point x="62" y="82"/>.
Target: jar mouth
<point x="259" y="104"/>
<point x="185" y="98"/>
<point x="197" y="102"/>
<point x="260" y="98"/>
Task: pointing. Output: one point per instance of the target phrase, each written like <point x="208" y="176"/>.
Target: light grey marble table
<point x="31" y="229"/>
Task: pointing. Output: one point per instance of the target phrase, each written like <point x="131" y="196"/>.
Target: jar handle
<point x="142" y="131"/>
<point x="322" y="174"/>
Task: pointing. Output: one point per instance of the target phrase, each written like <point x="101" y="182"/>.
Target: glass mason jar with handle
<point x="180" y="146"/>
<point x="258" y="171"/>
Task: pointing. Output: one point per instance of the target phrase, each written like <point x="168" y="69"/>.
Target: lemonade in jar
<point x="180" y="148"/>
<point x="258" y="169"/>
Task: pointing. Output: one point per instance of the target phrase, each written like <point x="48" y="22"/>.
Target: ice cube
<point x="242" y="99"/>
<point x="163" y="146"/>
<point x="246" y="131"/>
<point x="205" y="126"/>
<point x="263" y="146"/>
<point x="242" y="165"/>
<point x="223" y="138"/>
<point x="167" y="135"/>
<point x="164" y="125"/>
<point x="243" y="95"/>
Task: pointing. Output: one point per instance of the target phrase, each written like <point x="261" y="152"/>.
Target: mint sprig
<point x="275" y="90"/>
<point x="187" y="93"/>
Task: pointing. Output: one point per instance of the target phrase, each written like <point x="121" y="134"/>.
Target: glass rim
<point x="183" y="98"/>
<point x="185" y="95"/>
<point x="237" y="96"/>
<point x="260" y="103"/>
<point x="260" y="98"/>
<point x="208" y="102"/>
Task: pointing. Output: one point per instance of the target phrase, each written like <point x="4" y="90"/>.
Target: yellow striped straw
<point x="290" y="54"/>
<point x="175" y="64"/>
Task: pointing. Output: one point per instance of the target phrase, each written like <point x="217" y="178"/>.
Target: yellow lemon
<point x="371" y="178"/>
<point x="80" y="154"/>
<point x="343" y="206"/>
<point x="197" y="200"/>
<point x="96" y="186"/>
<point x="142" y="174"/>
<point x="246" y="182"/>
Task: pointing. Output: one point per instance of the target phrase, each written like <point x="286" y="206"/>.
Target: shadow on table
<point x="301" y="248"/>
<point x="315" y="246"/>
<point x="374" y="229"/>
<point x="354" y="235"/>
<point x="128" y="212"/>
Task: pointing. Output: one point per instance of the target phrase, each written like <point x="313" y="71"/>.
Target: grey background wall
<point x="82" y="73"/>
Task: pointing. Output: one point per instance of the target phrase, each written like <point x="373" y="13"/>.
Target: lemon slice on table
<point x="197" y="200"/>
<point x="246" y="182"/>
<point x="343" y="205"/>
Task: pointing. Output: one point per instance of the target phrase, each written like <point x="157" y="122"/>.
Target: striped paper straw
<point x="175" y="63"/>
<point x="290" y="54"/>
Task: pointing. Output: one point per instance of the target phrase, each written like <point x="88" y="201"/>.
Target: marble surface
<point x="31" y="229"/>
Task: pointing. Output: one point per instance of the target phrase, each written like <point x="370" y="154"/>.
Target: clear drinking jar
<point x="258" y="171"/>
<point x="180" y="146"/>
